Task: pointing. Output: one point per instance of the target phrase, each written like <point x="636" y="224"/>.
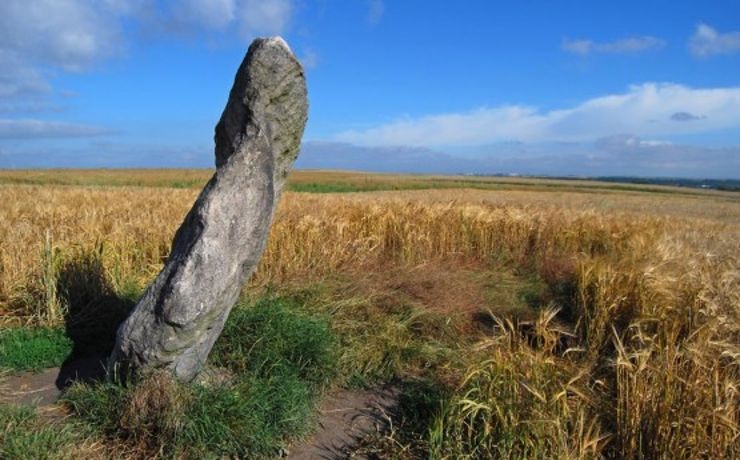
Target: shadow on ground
<point x="94" y="312"/>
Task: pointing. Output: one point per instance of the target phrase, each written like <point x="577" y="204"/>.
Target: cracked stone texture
<point x="221" y="240"/>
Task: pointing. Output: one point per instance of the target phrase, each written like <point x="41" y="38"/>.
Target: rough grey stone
<point x="217" y="247"/>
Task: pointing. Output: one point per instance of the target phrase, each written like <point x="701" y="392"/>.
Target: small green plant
<point x="32" y="349"/>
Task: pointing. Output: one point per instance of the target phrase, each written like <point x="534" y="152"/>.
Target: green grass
<point x="277" y="335"/>
<point x="23" y="349"/>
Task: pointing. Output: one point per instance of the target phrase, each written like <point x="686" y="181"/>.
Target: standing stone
<point x="221" y="240"/>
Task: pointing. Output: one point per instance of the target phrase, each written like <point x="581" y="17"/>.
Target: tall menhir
<point x="221" y="240"/>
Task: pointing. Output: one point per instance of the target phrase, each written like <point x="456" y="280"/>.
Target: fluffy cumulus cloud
<point x="39" y="38"/>
<point x="65" y="33"/>
<point x="629" y="45"/>
<point x="707" y="41"/>
<point x="74" y="35"/>
<point x="648" y="110"/>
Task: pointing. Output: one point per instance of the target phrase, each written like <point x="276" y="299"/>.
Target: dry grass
<point x="649" y="286"/>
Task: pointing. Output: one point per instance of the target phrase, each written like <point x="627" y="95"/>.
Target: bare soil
<point x="345" y="418"/>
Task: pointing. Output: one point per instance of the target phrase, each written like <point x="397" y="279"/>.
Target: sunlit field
<point x="521" y="318"/>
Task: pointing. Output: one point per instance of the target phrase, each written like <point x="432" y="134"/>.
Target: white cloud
<point x="264" y="17"/>
<point x="706" y="41"/>
<point x="70" y="34"/>
<point x="38" y="37"/>
<point x="375" y="11"/>
<point x="645" y="110"/>
<point x="41" y="37"/>
<point x="37" y="129"/>
<point x="310" y="59"/>
<point x="627" y="45"/>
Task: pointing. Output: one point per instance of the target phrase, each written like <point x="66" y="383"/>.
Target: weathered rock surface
<point x="217" y="247"/>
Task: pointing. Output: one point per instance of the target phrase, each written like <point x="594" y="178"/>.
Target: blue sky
<point x="568" y="87"/>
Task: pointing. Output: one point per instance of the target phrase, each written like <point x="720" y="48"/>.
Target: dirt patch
<point x="345" y="418"/>
<point x="467" y="291"/>
<point x="448" y="288"/>
<point x="38" y="389"/>
<point x="43" y="388"/>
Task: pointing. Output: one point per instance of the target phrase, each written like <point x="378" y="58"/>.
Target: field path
<point x="345" y="418"/>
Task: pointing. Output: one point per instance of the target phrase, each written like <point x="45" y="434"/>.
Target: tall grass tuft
<point x="516" y="401"/>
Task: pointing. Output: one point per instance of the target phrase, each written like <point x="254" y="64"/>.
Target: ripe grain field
<point x="522" y="318"/>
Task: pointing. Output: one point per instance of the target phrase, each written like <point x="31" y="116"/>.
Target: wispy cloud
<point x="29" y="107"/>
<point x="645" y="110"/>
<point x="309" y="59"/>
<point x="706" y="41"/>
<point x="376" y="9"/>
<point x="208" y="13"/>
<point x="629" y="45"/>
<point x="264" y="16"/>
<point x="41" y="129"/>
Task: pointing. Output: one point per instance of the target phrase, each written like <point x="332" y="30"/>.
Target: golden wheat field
<point x="635" y="355"/>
